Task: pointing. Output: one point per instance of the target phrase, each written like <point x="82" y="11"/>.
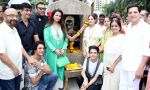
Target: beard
<point x="13" y="22"/>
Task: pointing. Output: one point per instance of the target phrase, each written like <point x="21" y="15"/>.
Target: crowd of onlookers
<point x="116" y="52"/>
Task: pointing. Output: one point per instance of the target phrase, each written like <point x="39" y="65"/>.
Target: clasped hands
<point x="85" y="85"/>
<point x="59" y="52"/>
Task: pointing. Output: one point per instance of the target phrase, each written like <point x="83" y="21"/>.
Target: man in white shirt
<point x="11" y="51"/>
<point x="135" y="51"/>
<point x="101" y="22"/>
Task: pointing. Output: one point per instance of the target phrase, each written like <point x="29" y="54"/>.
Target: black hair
<point x="148" y="14"/>
<point x="108" y="17"/>
<point x="116" y="11"/>
<point x="96" y="17"/>
<point x="145" y="11"/>
<point x="93" y="15"/>
<point x="117" y="20"/>
<point x="102" y="15"/>
<point x="133" y="5"/>
<point x="93" y="47"/>
<point x="61" y="22"/>
<point x="25" y="5"/>
<point x="39" y="4"/>
<point x="35" y="45"/>
<point x="4" y="6"/>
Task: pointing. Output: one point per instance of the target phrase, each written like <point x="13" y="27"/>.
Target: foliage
<point x="108" y="8"/>
<point x="121" y="6"/>
<point x="34" y="1"/>
<point x="2" y="1"/>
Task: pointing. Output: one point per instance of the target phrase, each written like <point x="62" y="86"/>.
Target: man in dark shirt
<point x="26" y="28"/>
<point x="40" y="19"/>
<point x="27" y="32"/>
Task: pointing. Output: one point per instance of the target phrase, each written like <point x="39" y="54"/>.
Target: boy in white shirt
<point x="92" y="69"/>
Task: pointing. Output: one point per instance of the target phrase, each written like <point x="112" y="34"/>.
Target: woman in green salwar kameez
<point x="107" y="33"/>
<point x="55" y="38"/>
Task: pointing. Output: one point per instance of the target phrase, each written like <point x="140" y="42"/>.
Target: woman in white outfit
<point x="112" y="57"/>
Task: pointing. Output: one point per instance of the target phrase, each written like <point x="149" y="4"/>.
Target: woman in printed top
<point x="91" y="35"/>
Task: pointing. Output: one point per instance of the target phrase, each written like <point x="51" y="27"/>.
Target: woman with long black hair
<point x="56" y="41"/>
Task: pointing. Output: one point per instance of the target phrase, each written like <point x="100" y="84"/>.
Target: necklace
<point x="58" y="37"/>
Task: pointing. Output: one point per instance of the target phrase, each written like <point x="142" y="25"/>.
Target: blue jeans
<point x="47" y="81"/>
<point x="12" y="84"/>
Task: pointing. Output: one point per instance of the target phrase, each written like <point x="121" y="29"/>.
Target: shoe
<point x="60" y="88"/>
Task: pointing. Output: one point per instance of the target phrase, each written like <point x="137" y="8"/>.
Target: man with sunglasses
<point x="40" y="19"/>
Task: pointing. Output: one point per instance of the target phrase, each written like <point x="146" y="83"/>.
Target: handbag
<point x="62" y="61"/>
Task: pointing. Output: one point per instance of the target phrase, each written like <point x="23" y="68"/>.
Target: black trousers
<point x="143" y="80"/>
<point x="91" y="87"/>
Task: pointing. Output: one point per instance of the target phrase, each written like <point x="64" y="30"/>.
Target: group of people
<point x="124" y="50"/>
<point x="22" y="49"/>
<point x="114" y="58"/>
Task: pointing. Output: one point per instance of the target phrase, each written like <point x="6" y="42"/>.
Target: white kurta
<point x="112" y="50"/>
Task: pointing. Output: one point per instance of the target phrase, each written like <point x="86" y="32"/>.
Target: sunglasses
<point x="41" y="8"/>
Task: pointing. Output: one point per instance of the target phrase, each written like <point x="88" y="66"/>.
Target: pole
<point x="92" y="7"/>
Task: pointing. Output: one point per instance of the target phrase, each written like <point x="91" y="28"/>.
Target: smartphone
<point x="107" y="68"/>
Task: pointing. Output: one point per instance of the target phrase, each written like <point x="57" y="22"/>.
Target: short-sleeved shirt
<point x="92" y="67"/>
<point x="32" y="73"/>
<point x="10" y="44"/>
<point x="136" y="45"/>
<point x="26" y="33"/>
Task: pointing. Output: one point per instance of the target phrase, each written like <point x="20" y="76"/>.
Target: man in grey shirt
<point x="40" y="76"/>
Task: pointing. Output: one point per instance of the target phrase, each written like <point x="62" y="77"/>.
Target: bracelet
<point x="78" y="33"/>
<point x="85" y="23"/>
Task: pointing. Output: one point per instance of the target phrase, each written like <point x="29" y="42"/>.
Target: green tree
<point x="2" y="1"/>
<point x="108" y="8"/>
<point x="121" y="5"/>
<point x="34" y="1"/>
